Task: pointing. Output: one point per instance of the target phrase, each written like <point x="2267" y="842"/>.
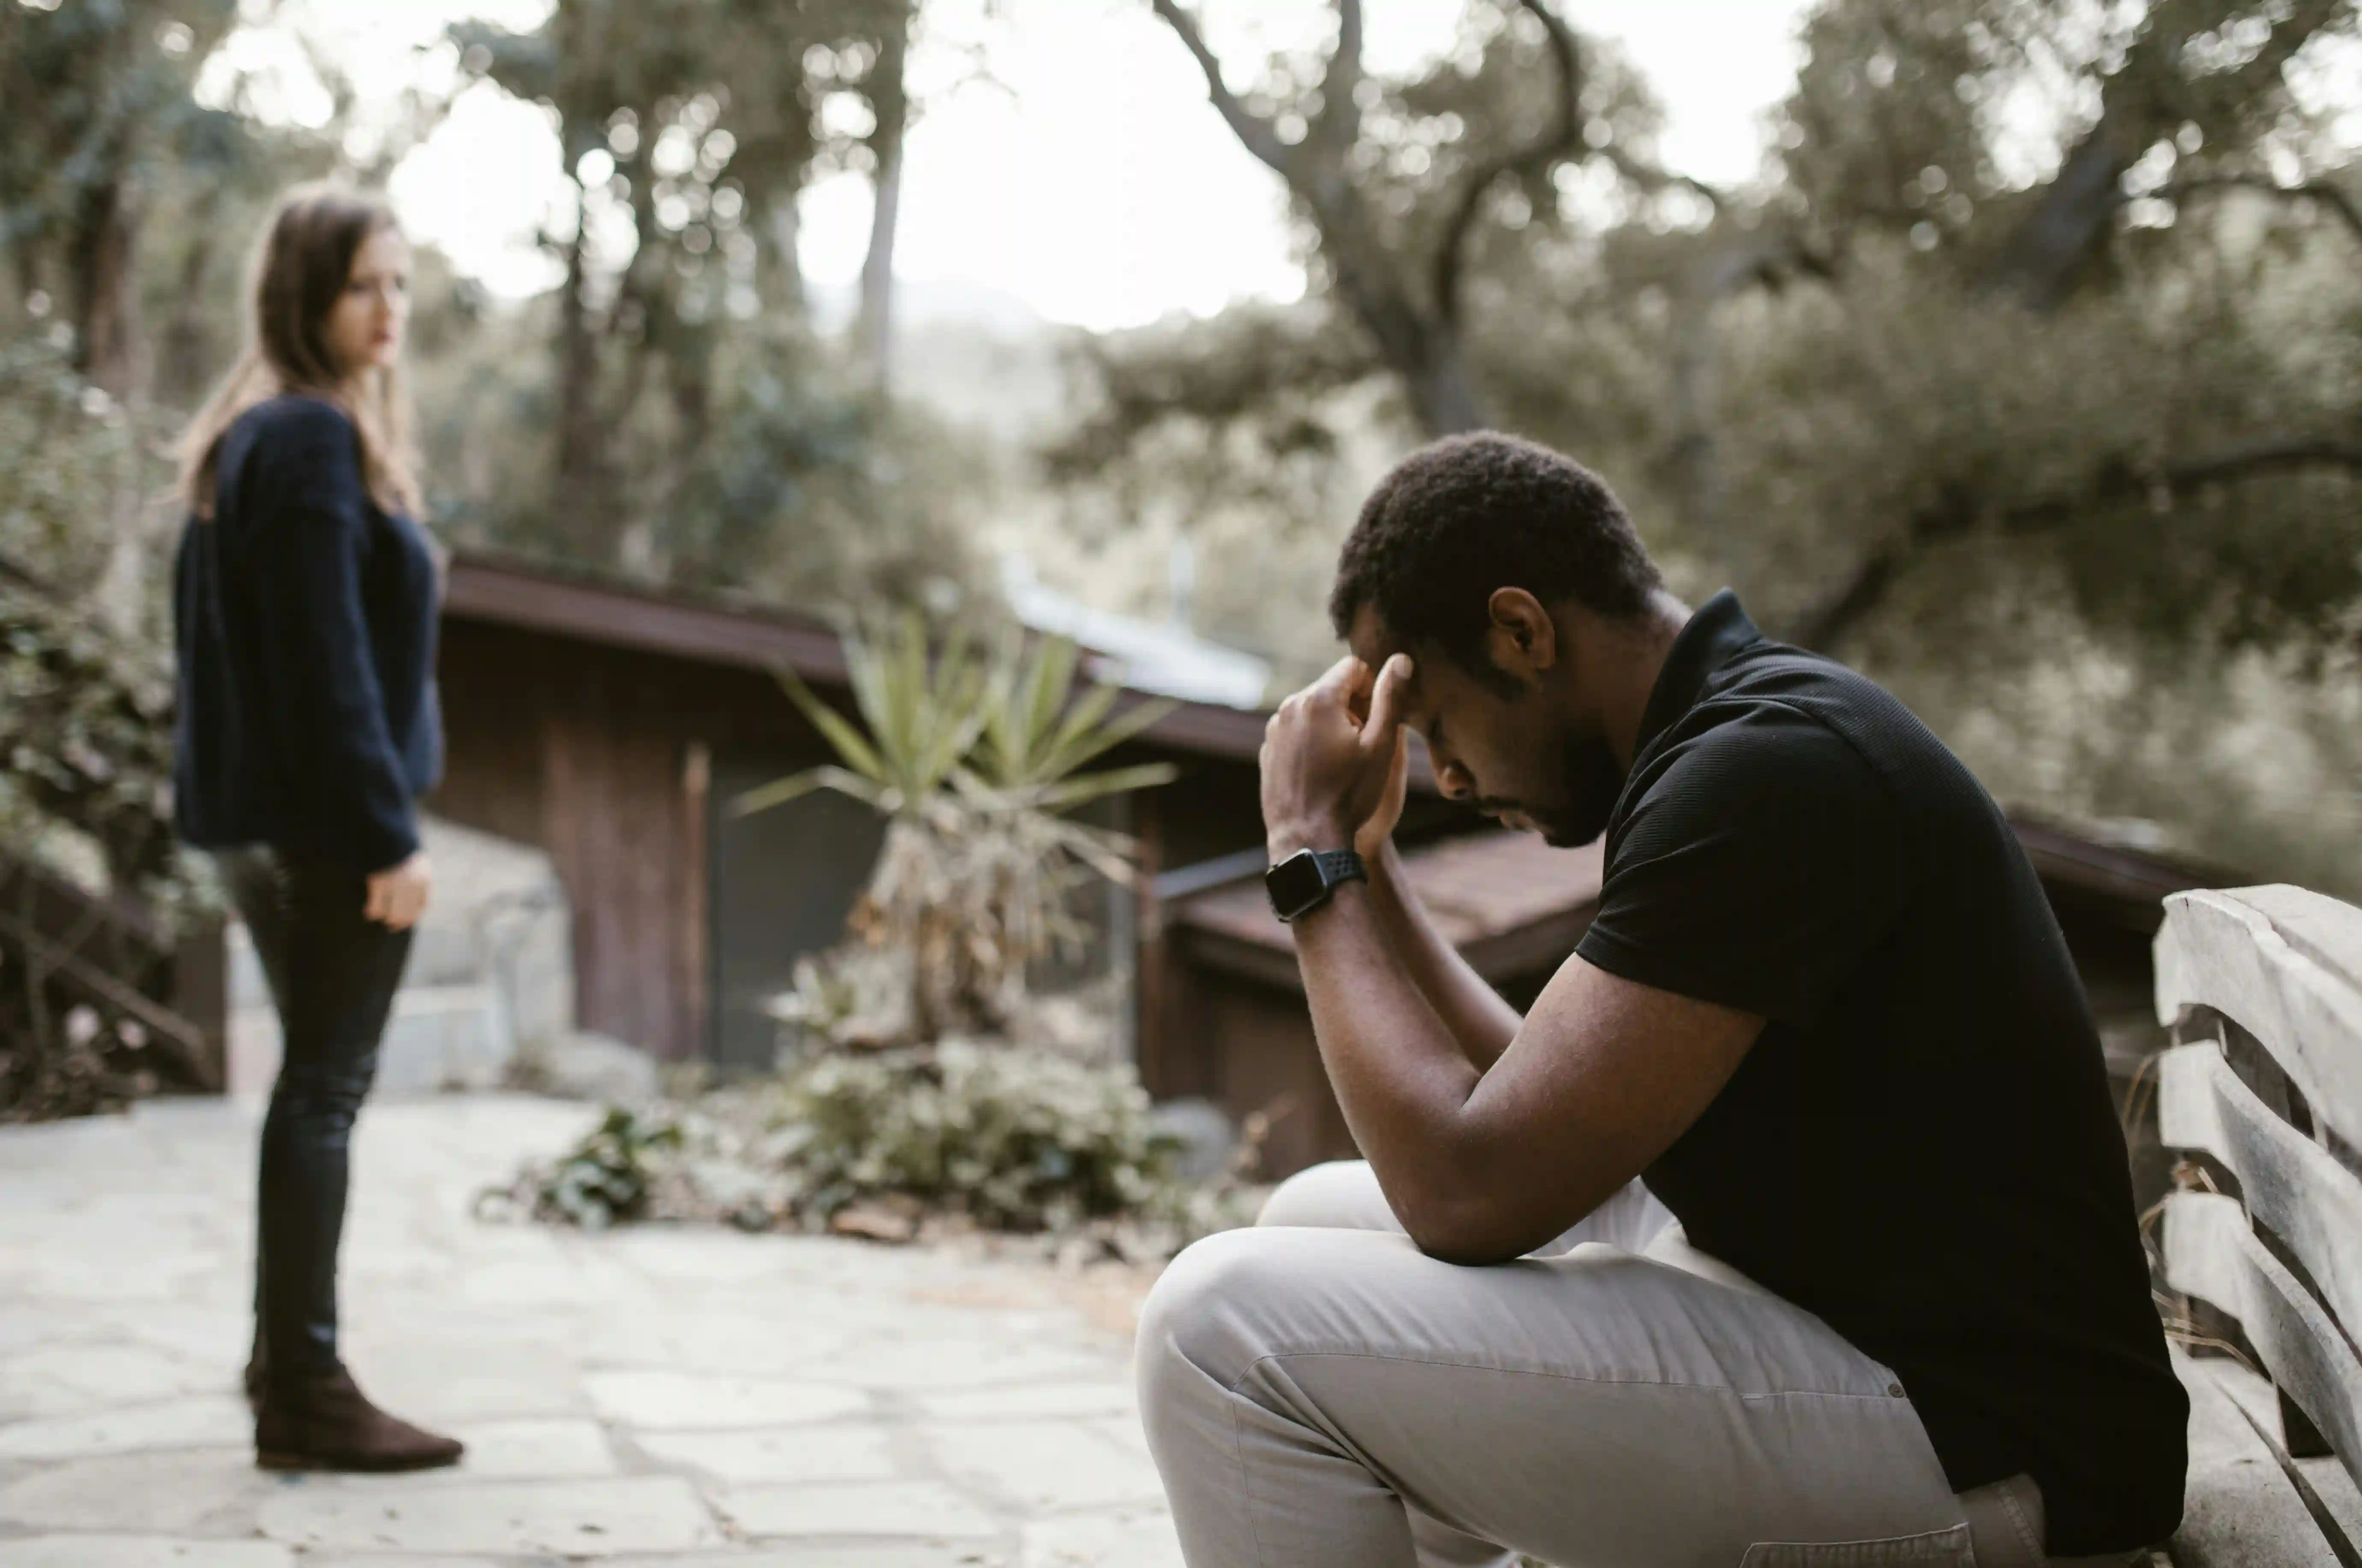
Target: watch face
<point x="1295" y="884"/>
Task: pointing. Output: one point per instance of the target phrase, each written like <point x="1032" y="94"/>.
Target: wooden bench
<point x="2262" y="1091"/>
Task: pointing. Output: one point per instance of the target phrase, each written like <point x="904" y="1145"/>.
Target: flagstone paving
<point x="651" y="1397"/>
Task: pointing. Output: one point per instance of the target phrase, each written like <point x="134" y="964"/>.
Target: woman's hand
<point x="1336" y="762"/>
<point x="397" y="895"/>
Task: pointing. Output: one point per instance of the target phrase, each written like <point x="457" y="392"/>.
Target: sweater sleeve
<point x="311" y="534"/>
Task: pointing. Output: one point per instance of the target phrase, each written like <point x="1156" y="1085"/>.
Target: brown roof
<point x="1507" y="902"/>
<point x="721" y="628"/>
<point x="2079" y="864"/>
<point x="1512" y="905"/>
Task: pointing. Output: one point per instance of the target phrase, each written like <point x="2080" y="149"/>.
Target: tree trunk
<point x="1442" y="397"/>
<point x="1420" y="348"/>
<point x="875" y="330"/>
<point x="106" y="273"/>
<point x="780" y="274"/>
<point x="583" y="497"/>
<point x="874" y="327"/>
<point x="2047" y="255"/>
<point x="181" y="369"/>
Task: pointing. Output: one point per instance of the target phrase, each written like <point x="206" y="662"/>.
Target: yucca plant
<point x="923" y="712"/>
<point x="1038" y="733"/>
<point x="974" y="759"/>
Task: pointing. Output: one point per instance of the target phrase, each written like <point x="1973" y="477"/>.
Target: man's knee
<point x="1199" y="1326"/>
<point x="1342" y="1194"/>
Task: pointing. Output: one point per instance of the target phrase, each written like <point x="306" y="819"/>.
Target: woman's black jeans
<point x="332" y="975"/>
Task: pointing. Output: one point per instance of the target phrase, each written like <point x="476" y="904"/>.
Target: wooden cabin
<point x="611" y="725"/>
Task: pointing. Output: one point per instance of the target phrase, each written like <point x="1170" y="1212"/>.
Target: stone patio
<point x="649" y="1397"/>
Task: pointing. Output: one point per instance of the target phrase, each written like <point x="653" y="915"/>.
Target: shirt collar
<point x="1716" y="632"/>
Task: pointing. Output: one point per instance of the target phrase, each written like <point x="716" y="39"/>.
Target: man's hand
<point x="397" y="895"/>
<point x="1336" y="762"/>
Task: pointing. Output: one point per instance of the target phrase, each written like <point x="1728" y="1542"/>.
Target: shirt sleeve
<point x="311" y="533"/>
<point x="1760" y="866"/>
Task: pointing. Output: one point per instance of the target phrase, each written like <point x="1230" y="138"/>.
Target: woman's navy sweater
<point x="304" y="620"/>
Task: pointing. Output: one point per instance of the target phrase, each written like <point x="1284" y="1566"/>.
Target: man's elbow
<point x="1469" y="1230"/>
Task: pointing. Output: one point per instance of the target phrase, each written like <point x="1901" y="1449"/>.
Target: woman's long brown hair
<point x="306" y="260"/>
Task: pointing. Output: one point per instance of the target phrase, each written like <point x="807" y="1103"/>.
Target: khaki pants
<point x="1319" y="1393"/>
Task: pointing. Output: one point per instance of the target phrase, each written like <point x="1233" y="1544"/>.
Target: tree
<point x="1394" y="233"/>
<point x="99" y="110"/>
<point x="1889" y="168"/>
<point x="687" y="128"/>
<point x="1410" y="189"/>
<point x="1897" y="127"/>
<point x="2070" y="498"/>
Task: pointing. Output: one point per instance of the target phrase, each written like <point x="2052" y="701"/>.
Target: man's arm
<point x="1480" y="1021"/>
<point x="1481" y="1165"/>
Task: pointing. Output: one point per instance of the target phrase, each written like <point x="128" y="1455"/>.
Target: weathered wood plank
<point x="2321" y="928"/>
<point x="2224" y="950"/>
<point x="2322" y="1483"/>
<point x="185" y="1041"/>
<point x="2333" y="1492"/>
<point x="2210" y="1251"/>
<point x="2240" y="1510"/>
<point x="2293" y="1186"/>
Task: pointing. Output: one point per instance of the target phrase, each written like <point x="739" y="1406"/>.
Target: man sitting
<point x="1791" y="1227"/>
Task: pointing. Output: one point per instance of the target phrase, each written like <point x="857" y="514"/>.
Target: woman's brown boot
<point x="323" y="1421"/>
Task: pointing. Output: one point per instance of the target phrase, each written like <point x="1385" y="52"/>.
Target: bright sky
<point x="1101" y="188"/>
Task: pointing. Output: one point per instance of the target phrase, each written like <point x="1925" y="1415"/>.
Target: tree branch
<point x="1254" y="133"/>
<point x="1339" y="124"/>
<point x="1955" y="515"/>
<point x="2043" y="258"/>
<point x="15" y="572"/>
<point x="1648" y="177"/>
<point x="2320" y="192"/>
<point x="1563" y="136"/>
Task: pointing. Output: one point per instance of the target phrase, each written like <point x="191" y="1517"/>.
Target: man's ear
<point x="1522" y="639"/>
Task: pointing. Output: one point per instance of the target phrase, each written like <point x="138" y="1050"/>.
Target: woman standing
<point x="305" y="610"/>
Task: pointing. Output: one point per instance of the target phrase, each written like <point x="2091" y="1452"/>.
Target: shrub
<point x="609" y="1176"/>
<point x="1016" y="1139"/>
<point x="963" y="1135"/>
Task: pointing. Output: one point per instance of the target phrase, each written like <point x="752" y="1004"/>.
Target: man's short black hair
<point x="1468" y="514"/>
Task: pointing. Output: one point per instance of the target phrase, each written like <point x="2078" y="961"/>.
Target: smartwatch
<point x="1304" y="881"/>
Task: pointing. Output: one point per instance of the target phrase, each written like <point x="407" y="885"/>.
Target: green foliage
<point x="895" y="1144"/>
<point x="1827" y="389"/>
<point x="684" y="425"/>
<point x="813" y="490"/>
<point x="1038" y="734"/>
<point x="921" y="711"/>
<point x="1015" y="1140"/>
<point x="85" y="738"/>
<point x="94" y="89"/>
<point x="67" y="451"/>
<point x="609" y="1176"/>
<point x="85" y="710"/>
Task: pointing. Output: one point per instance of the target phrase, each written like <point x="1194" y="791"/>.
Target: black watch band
<point x="1308" y="879"/>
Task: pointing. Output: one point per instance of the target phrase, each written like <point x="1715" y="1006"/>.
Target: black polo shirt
<point x="1920" y="1148"/>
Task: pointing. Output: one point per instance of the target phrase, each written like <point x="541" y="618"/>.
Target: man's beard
<point x="1592" y="783"/>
